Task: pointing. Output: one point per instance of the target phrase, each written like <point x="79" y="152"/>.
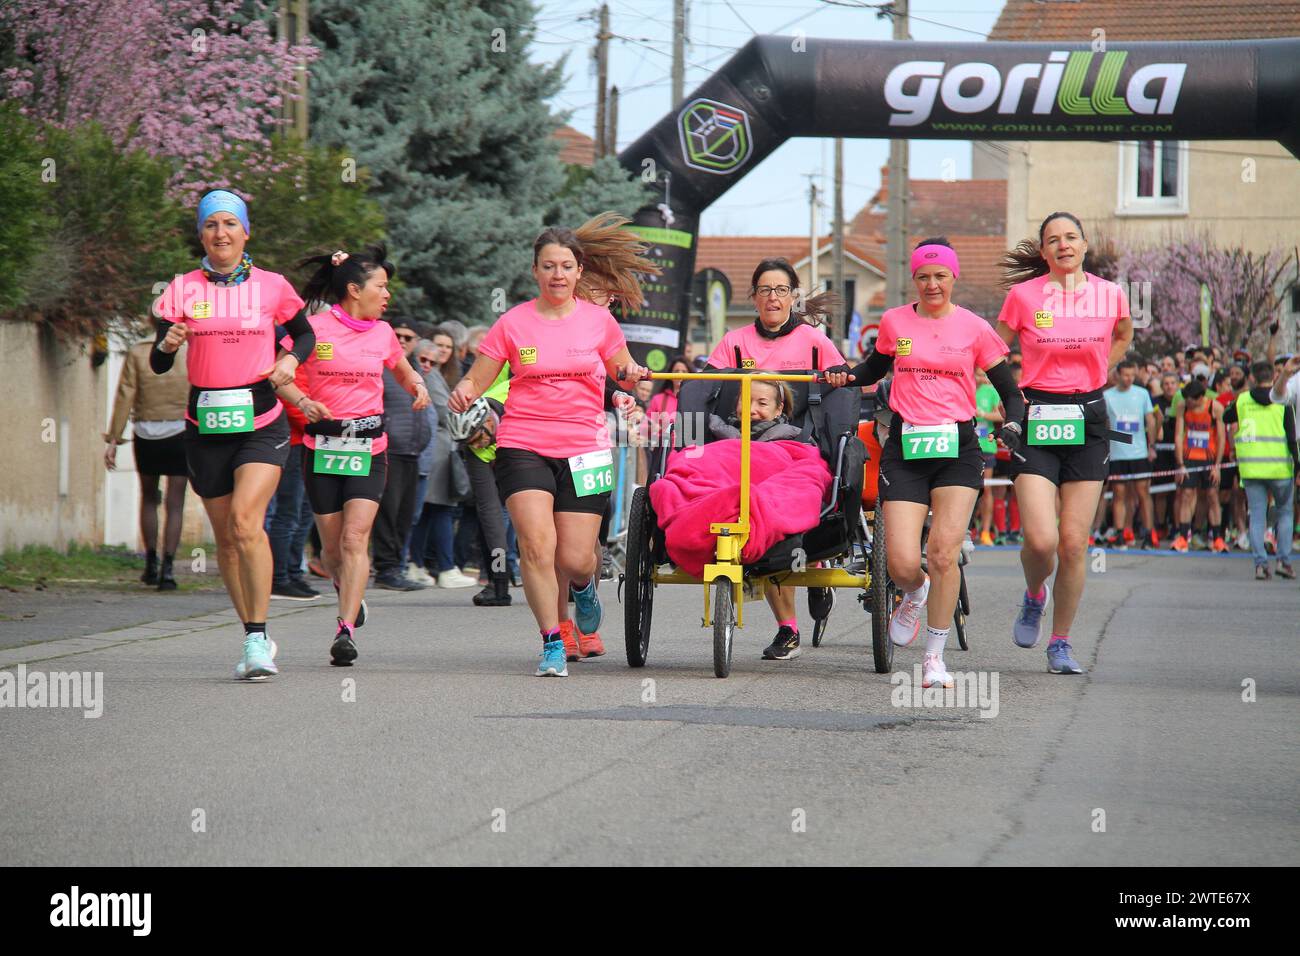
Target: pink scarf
<point x="356" y="325"/>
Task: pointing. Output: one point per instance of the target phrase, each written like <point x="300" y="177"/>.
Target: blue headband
<point x="220" y="200"/>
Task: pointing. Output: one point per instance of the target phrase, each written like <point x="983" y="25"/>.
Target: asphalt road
<point x="450" y="752"/>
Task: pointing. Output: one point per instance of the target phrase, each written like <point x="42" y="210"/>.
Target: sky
<point x="772" y="199"/>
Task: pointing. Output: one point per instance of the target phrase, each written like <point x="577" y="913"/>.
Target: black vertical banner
<point x="655" y="332"/>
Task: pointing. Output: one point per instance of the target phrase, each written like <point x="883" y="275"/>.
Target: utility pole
<point x="292" y="29"/>
<point x="611" y="139"/>
<point x="840" y="329"/>
<point x="896" y="219"/>
<point x="679" y="51"/>
<point x="602" y="74"/>
<point x="814" y="278"/>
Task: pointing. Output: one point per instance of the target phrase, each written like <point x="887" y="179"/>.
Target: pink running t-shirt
<point x="556" y="406"/>
<point x="232" y="328"/>
<point x="346" y="373"/>
<point x="1064" y="339"/>
<point x="934" y="362"/>
<point x="790" y="351"/>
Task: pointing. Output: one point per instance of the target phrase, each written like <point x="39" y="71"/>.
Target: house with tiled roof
<point x="576" y="148"/>
<point x="1244" y="193"/>
<point x="971" y="213"/>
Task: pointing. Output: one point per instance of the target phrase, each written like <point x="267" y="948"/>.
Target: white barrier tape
<point x="1155" y="489"/>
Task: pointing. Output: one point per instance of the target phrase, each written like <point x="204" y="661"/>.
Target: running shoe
<point x="343" y="651"/>
<point x="1129" y="538"/>
<point x="821" y="601"/>
<point x="1219" y="546"/>
<point x="553" y="663"/>
<point x="294" y="590"/>
<point x="259" y="658"/>
<point x="571" y="649"/>
<point x="784" y="647"/>
<point x="361" y="611"/>
<point x="587" y="610"/>
<point x="986" y="539"/>
<point x="1180" y="544"/>
<point x="589" y="645"/>
<point x="1284" y="570"/>
<point x="1262" y="573"/>
<point x="1243" y="542"/>
<point x="316" y="568"/>
<point x="1059" y="659"/>
<point x="1028" y="627"/>
<point x="1155" y="539"/>
<point x="906" y="622"/>
<point x="1197" y="543"/>
<point x="933" y="672"/>
<point x="1270" y="541"/>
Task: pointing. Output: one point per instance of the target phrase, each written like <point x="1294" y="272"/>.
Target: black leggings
<point x="487" y="505"/>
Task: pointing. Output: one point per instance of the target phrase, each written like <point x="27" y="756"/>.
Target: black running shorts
<point x="212" y="459"/>
<point x="1061" y="463"/>
<point x="903" y="480"/>
<point x="327" y="493"/>
<point x="518" y="469"/>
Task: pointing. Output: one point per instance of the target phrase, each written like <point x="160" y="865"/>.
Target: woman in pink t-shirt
<point x="553" y="465"/>
<point x="345" y="465"/>
<point x="781" y="338"/>
<point x="236" y="436"/>
<point x="662" y="408"/>
<point x="932" y="464"/>
<point x="1073" y="329"/>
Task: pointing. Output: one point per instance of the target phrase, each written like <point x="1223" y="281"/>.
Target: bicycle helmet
<point x="464" y="424"/>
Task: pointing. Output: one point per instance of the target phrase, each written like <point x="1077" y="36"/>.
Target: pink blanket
<point x="788" y="481"/>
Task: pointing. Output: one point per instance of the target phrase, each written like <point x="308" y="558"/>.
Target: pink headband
<point x="935" y="255"/>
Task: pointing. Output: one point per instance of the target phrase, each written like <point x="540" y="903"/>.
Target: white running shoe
<point x="417" y="573"/>
<point x="906" y="622"/>
<point x="452" y="578"/>
<point x="933" y="672"/>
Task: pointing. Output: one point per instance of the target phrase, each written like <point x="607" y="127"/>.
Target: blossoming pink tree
<point x="1245" y="291"/>
<point x="195" y="81"/>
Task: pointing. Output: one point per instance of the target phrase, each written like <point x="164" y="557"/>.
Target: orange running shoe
<point x="1220" y="546"/>
<point x="986" y="539"/>
<point x="1129" y="537"/>
<point x="1180" y="544"/>
<point x="589" y="645"/>
<point x="567" y="631"/>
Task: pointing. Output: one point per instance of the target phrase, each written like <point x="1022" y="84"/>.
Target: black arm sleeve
<point x="1014" y="403"/>
<point x="304" y="336"/>
<point x="160" y="361"/>
<point x="876" y="367"/>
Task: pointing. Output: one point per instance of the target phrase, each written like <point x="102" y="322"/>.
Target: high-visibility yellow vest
<point x="1261" y="440"/>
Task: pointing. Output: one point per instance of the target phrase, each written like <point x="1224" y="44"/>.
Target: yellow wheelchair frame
<point x="724" y="576"/>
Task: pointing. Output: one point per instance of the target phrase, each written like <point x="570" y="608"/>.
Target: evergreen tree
<point x="445" y="108"/>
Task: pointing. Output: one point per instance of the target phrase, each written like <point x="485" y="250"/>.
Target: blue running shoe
<point x="553" y="663"/>
<point x="1028" y="627"/>
<point x="587" y="610"/>
<point x="259" y="659"/>
<point x="1059" y="660"/>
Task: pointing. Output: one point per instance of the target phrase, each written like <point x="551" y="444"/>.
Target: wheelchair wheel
<point x="959" y="616"/>
<point x="884" y="595"/>
<point x="724" y="626"/>
<point x="638" y="602"/>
